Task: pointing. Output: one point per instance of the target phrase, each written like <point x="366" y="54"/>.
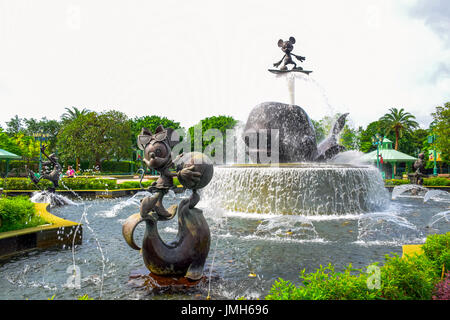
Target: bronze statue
<point x="287" y="47"/>
<point x="419" y="166"/>
<point x="54" y="174"/>
<point x="186" y="256"/>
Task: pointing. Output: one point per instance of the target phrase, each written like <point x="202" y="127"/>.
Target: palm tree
<point x="72" y="114"/>
<point x="398" y="121"/>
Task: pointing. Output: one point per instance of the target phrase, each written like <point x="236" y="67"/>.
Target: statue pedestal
<point x="143" y="278"/>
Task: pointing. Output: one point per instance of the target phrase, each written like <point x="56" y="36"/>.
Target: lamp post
<point x="377" y="140"/>
<point x="432" y="140"/>
<point x="42" y="137"/>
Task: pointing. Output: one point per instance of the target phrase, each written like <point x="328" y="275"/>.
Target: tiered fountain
<point x="300" y="180"/>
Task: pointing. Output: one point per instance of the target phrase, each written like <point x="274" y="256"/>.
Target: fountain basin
<point x="298" y="189"/>
<point x="57" y="233"/>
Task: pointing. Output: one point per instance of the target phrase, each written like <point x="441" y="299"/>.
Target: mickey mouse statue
<point x="287" y="47"/>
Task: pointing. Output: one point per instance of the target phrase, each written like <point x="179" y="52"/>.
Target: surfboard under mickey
<point x="276" y="71"/>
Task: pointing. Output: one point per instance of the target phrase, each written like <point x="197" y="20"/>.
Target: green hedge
<point x="145" y="184"/>
<point x="411" y="278"/>
<point x="117" y="166"/>
<point x="18" y="213"/>
<point x="395" y="182"/>
<point x="436" y="181"/>
<point x="78" y="183"/>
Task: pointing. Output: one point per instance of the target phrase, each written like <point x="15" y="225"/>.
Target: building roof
<point x="8" y="155"/>
<point x="389" y="155"/>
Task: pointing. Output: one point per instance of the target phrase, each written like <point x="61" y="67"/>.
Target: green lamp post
<point x="42" y="137"/>
<point x="432" y="140"/>
<point x="377" y="140"/>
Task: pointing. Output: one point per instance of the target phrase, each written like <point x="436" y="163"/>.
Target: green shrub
<point x="436" y="181"/>
<point x="410" y="278"/>
<point x="395" y="182"/>
<point x="145" y="184"/>
<point x="23" y="184"/>
<point x="117" y="166"/>
<point x="129" y="185"/>
<point x="325" y="284"/>
<point x="437" y="249"/>
<point x="79" y="183"/>
<point x="18" y="213"/>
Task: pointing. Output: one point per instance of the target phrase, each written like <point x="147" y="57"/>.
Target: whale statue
<point x="296" y="134"/>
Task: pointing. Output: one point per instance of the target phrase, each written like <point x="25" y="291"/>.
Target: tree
<point x="350" y="138"/>
<point x="74" y="113"/>
<point x="442" y="129"/>
<point x="399" y="122"/>
<point x="14" y="126"/>
<point x="95" y="137"/>
<point x="221" y="123"/>
<point x="8" y="143"/>
<point x="367" y="134"/>
<point x="29" y="148"/>
<point x="51" y="127"/>
<point x="321" y="132"/>
<point x="151" y="123"/>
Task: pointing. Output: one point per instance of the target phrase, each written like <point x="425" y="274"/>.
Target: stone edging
<point x="57" y="233"/>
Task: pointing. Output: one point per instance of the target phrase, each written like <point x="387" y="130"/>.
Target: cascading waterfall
<point x="298" y="189"/>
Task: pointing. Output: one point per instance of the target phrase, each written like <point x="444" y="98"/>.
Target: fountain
<point x="49" y="195"/>
<point x="264" y="220"/>
<point x="303" y="180"/>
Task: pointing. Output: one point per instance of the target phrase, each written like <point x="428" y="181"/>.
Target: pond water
<point x="267" y="245"/>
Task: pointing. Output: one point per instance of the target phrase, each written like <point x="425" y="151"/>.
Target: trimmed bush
<point x="145" y="184"/>
<point x="117" y="166"/>
<point x="395" y="182"/>
<point x="23" y="184"/>
<point x="436" y="181"/>
<point x="18" y="213"/>
<point x="79" y="183"/>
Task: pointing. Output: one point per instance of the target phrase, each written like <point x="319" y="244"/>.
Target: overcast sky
<point x="188" y="60"/>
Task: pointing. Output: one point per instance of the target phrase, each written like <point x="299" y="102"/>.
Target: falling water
<point x="52" y="198"/>
<point x="439" y="195"/>
<point x="291" y="87"/>
<point x="303" y="189"/>
<point x="414" y="189"/>
<point x="439" y="217"/>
